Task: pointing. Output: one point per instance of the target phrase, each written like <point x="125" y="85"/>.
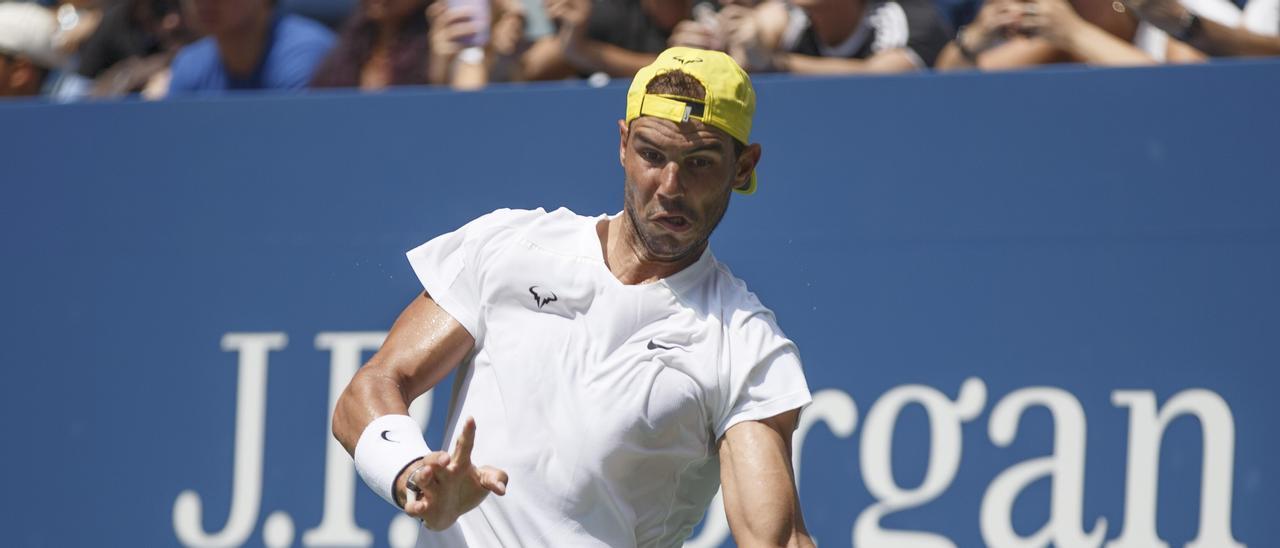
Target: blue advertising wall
<point x="1036" y="309"/>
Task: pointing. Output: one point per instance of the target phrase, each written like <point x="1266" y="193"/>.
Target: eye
<point x="700" y="162"/>
<point x="651" y="156"/>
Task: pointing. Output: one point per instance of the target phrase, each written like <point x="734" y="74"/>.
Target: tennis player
<point x="617" y="371"/>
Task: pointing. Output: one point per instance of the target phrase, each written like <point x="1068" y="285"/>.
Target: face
<point x="390" y="10"/>
<point x="219" y="16"/>
<point x="679" y="178"/>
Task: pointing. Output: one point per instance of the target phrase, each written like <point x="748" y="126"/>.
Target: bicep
<point x="424" y="344"/>
<point x="759" y="488"/>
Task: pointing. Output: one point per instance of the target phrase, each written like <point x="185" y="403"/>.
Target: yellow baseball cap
<point x="729" y="105"/>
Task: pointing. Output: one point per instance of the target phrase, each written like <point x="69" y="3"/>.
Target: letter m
<point x="1146" y="430"/>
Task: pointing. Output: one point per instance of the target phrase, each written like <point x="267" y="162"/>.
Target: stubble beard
<point x="653" y="245"/>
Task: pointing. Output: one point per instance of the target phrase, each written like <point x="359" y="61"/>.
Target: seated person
<point x="407" y="42"/>
<point x="861" y="36"/>
<point x="840" y="37"/>
<point x="250" y="46"/>
<point x="1010" y="34"/>
<point x="383" y="43"/>
<point x="133" y="46"/>
<point x="748" y="30"/>
<point x="615" y="37"/>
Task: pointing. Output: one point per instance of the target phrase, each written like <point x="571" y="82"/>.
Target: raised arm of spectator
<point x="451" y="61"/>
<point x="1202" y="33"/>
<point x="584" y="53"/>
<point x="1059" y="24"/>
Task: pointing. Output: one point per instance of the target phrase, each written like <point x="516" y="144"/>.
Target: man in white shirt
<point x="621" y="374"/>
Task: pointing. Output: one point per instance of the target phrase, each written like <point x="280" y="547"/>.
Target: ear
<point x="746" y="164"/>
<point x="623" y="131"/>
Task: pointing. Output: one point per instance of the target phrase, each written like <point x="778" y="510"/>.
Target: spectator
<point x="857" y="36"/>
<point x="1205" y="34"/>
<point x="615" y="37"/>
<point x="405" y="42"/>
<point x="133" y="46"/>
<point x="30" y="61"/>
<point x="384" y="43"/>
<point x="250" y="46"/>
<point x="1009" y="34"/>
<point x="748" y="30"/>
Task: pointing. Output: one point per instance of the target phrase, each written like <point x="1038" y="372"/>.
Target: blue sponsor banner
<point x="1036" y="309"/>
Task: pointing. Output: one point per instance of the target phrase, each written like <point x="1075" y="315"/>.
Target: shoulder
<point x="298" y="30"/>
<point x="741" y="310"/>
<point x="508" y="223"/>
<point x="300" y="45"/>
<point x="194" y="64"/>
<point x="196" y="56"/>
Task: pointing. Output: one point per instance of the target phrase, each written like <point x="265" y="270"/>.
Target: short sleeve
<point x="184" y="68"/>
<point x="767" y="378"/>
<point x="451" y="266"/>
<point x="298" y="56"/>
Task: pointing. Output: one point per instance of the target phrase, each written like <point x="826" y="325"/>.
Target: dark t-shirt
<point x="886" y="25"/>
<point x="295" y="46"/>
<point x="624" y="23"/>
<point x="117" y="38"/>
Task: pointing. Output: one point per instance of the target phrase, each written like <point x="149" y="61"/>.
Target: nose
<point x="669" y="181"/>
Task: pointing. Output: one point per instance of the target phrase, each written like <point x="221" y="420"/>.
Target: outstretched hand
<point x="441" y="486"/>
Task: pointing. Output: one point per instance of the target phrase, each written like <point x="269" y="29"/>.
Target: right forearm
<point x="805" y="64"/>
<point x="1090" y="44"/>
<point x="371" y="394"/>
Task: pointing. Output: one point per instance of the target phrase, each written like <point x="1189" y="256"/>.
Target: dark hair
<point x="343" y="65"/>
<point x="680" y="83"/>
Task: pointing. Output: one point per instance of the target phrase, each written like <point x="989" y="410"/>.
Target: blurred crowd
<point x="74" y="49"/>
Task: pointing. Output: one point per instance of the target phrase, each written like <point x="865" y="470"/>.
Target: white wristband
<point x="385" y="448"/>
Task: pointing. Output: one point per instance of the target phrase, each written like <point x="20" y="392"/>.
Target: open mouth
<point x="674" y="223"/>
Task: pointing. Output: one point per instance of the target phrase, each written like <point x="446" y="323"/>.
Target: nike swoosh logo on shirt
<point x="656" y="346"/>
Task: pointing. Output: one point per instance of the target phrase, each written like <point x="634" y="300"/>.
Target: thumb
<point x="493" y="479"/>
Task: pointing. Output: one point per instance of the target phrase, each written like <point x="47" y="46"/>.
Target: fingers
<point x="692" y="34"/>
<point x="466" y="441"/>
<point x="493" y="479"/>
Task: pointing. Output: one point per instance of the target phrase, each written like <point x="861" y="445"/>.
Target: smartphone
<point x="480" y="17"/>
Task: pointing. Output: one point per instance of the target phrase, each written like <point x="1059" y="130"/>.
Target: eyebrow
<point x="713" y="146"/>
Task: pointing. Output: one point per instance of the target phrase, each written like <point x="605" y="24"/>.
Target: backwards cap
<point x="729" y="105"/>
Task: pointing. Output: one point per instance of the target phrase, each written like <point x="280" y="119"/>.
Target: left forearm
<point x="1092" y="45"/>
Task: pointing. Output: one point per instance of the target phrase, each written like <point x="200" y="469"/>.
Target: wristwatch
<point x="1188" y="27"/>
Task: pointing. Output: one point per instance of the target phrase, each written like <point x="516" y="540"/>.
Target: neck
<point x="626" y="257"/>
<point x="835" y="22"/>
<point x="243" y="47"/>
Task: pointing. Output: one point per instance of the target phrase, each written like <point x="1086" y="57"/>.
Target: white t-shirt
<point x="602" y="401"/>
